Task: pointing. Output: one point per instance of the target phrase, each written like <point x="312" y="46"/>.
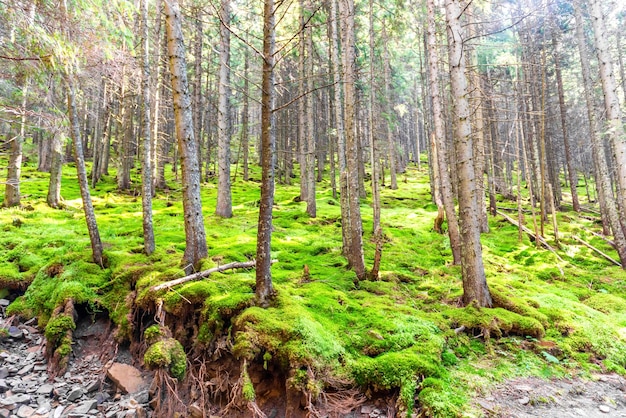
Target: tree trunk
<point x="195" y="238"/>
<point x="146" y="169"/>
<point x="245" y="145"/>
<point x="440" y="140"/>
<point x="391" y="145"/>
<point x="14" y="170"/>
<point x="605" y="192"/>
<point x="83" y="182"/>
<point x="311" y="207"/>
<point x="224" y="206"/>
<point x="354" y="228"/>
<point x="614" y="129"/>
<point x="264" y="288"/>
<point x="472" y="268"/>
<point x="56" y="170"/>
<point x="372" y="136"/>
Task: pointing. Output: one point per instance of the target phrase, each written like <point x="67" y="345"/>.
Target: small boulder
<point x="128" y="378"/>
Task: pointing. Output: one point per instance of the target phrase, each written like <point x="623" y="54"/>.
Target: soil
<point x="603" y="396"/>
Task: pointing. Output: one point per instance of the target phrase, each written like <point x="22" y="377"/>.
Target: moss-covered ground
<point x="405" y="332"/>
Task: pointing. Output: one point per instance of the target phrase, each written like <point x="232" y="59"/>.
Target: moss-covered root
<point x="164" y="352"/>
<point x="59" y="338"/>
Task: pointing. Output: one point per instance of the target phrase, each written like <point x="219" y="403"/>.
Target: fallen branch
<point x="539" y="238"/>
<point x="586" y="244"/>
<point x="206" y="273"/>
<point x="607" y="240"/>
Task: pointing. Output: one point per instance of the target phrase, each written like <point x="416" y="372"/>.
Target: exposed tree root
<point x="166" y="402"/>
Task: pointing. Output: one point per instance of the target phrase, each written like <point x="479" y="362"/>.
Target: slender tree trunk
<point x="605" y="192"/>
<point x="197" y="84"/>
<point x="90" y="216"/>
<point x="571" y="170"/>
<point x="245" y="145"/>
<point x="340" y="129"/>
<point x="614" y="129"/>
<point x="224" y="206"/>
<point x="14" y="172"/>
<point x="372" y="136"/>
<point x="391" y="145"/>
<point x="56" y="171"/>
<point x="440" y="139"/>
<point x="195" y="238"/>
<point x="311" y="207"/>
<point x="264" y="288"/>
<point x="146" y="169"/>
<point x="351" y="174"/>
<point x="472" y="268"/>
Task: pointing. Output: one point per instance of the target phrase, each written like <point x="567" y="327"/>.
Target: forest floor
<point x="603" y="396"/>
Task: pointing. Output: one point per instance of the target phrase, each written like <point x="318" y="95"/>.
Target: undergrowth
<point x="405" y="332"/>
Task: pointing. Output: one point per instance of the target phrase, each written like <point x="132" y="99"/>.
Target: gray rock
<point x="25" y="411"/>
<point x="15" y="332"/>
<point x="4" y="303"/>
<point x="4" y="372"/>
<point x="142" y="397"/>
<point x="45" y="389"/>
<point x="85" y="406"/>
<point x="26" y="369"/>
<point x="12" y="402"/>
<point x="3" y="386"/>
<point x="75" y="393"/>
<point x="4" y="413"/>
<point x="44" y="408"/>
<point x="605" y="408"/>
<point x="367" y="409"/>
<point x="58" y="411"/>
<point x="524" y="401"/>
<point x="92" y="386"/>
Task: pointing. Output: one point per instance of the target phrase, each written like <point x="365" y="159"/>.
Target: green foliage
<point x="56" y="331"/>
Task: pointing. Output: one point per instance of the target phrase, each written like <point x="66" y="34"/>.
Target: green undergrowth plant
<point x="406" y="332"/>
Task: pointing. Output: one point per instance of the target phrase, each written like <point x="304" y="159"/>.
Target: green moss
<point x="167" y="354"/>
<point x="607" y="303"/>
<point x="247" y="388"/>
<point x="154" y="333"/>
<point x="57" y="327"/>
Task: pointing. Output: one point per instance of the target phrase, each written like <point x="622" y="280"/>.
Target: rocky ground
<point x="602" y="397"/>
<point x="98" y="383"/>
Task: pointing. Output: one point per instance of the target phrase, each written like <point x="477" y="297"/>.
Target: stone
<point x="92" y="386"/>
<point x="4" y="303"/>
<point x="26" y="369"/>
<point x="367" y="409"/>
<point x="142" y="397"/>
<point x="58" y="411"/>
<point x="5" y="413"/>
<point x="15" y="332"/>
<point x="605" y="408"/>
<point x="12" y="402"/>
<point x="45" y="389"/>
<point x="25" y="411"/>
<point x="195" y="411"/>
<point x="84" y="407"/>
<point x="4" y="372"/>
<point x="127" y="378"/>
<point x="44" y="408"/>
<point x="524" y="401"/>
<point x="75" y="393"/>
<point x="3" y="386"/>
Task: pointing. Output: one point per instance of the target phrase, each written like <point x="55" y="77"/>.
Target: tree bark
<point x="472" y="268"/>
<point x="441" y="152"/>
<point x="83" y="182"/>
<point x="14" y="170"/>
<point x="224" y="207"/>
<point x="56" y="170"/>
<point x="605" y="192"/>
<point x="146" y="169"/>
<point x="264" y="288"/>
<point x="614" y="129"/>
<point x="354" y="228"/>
<point x="195" y="238"/>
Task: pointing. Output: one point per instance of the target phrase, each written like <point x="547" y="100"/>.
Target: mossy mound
<point x="167" y="354"/>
